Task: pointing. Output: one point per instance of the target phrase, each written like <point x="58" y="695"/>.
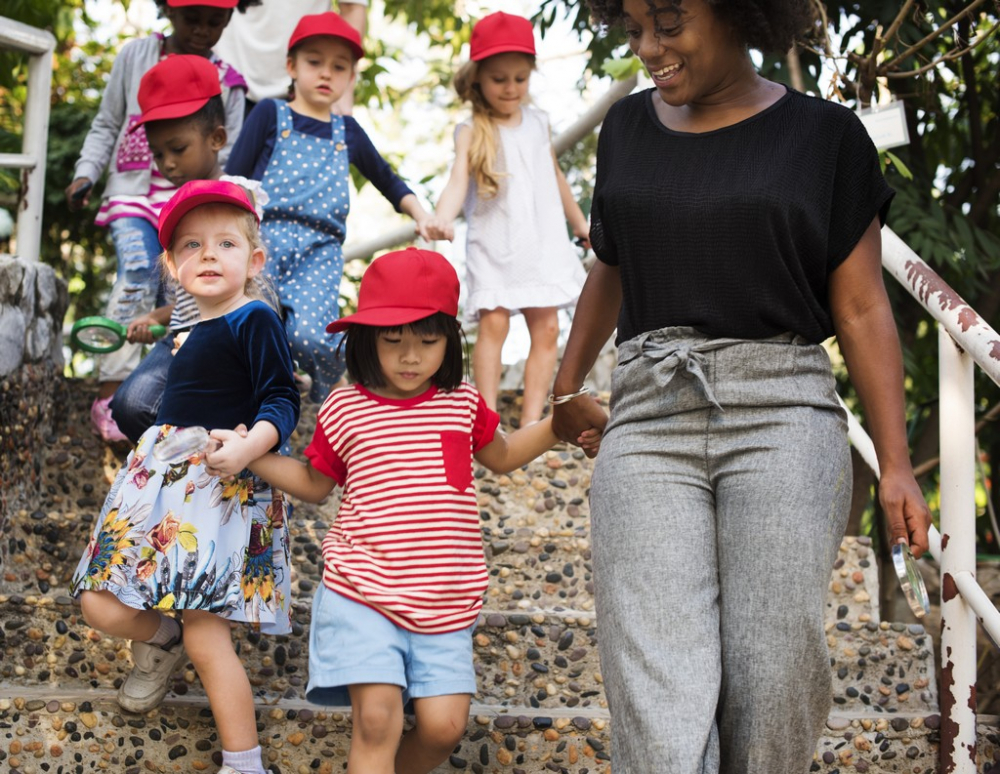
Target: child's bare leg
<point x="543" y="327"/>
<point x="377" y="712"/>
<point x="209" y="645"/>
<point x="493" y="327"/>
<point x="441" y="722"/>
<point x="105" y="612"/>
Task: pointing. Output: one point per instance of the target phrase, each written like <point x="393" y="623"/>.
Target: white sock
<point x="246" y="762"/>
<point x="167" y="634"/>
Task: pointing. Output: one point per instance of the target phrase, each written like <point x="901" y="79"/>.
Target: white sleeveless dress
<point x="518" y="250"/>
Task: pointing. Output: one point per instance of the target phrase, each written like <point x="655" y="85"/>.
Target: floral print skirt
<point x="173" y="537"/>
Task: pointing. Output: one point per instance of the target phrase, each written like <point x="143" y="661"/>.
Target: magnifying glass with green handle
<point x="101" y="335"/>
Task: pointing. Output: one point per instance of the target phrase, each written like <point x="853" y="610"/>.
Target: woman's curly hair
<point x="241" y="6"/>
<point x="770" y="26"/>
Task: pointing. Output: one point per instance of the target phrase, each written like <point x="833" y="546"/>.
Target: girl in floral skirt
<point x="173" y="536"/>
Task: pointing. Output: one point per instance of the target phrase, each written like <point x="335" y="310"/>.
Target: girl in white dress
<point x="519" y="256"/>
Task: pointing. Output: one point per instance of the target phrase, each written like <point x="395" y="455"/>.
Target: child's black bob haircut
<point x="209" y="116"/>
<point x="361" y="353"/>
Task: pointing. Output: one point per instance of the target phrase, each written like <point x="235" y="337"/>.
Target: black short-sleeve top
<point x="735" y="231"/>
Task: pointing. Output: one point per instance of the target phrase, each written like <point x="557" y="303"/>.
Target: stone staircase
<point x="541" y="707"/>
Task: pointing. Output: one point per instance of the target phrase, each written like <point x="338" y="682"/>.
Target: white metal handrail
<point x="964" y="340"/>
<point x="39" y="45"/>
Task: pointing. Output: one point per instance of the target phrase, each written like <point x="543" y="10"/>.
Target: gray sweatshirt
<point x="128" y="154"/>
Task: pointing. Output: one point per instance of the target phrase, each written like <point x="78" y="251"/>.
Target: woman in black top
<point x="737" y="226"/>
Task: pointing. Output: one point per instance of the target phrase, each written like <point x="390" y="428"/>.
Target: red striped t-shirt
<point x="406" y="541"/>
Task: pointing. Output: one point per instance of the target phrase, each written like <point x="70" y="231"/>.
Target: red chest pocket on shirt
<point x="133" y="151"/>
<point x="456" y="451"/>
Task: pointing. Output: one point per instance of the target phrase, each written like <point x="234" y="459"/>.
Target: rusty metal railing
<point x="964" y="341"/>
<point x="39" y="45"/>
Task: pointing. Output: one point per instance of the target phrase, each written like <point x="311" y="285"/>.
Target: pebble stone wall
<point x="33" y="302"/>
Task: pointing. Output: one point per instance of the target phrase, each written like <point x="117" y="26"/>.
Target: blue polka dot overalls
<point x="304" y="228"/>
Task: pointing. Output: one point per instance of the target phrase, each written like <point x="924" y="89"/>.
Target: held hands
<point x="906" y="510"/>
<point x="420" y="222"/>
<point x="582" y="233"/>
<point x="231" y="453"/>
<point x="580" y="421"/>
<point x="439" y="228"/>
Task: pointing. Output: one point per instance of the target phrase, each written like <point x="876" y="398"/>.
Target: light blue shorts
<point x="350" y="644"/>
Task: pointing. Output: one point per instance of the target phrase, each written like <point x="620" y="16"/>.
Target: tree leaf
<point x="903" y="169"/>
<point x="620" y="69"/>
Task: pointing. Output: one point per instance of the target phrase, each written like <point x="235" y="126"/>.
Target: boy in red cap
<point x="184" y="119"/>
<point x="134" y="192"/>
<point x="301" y="152"/>
<point x="519" y="259"/>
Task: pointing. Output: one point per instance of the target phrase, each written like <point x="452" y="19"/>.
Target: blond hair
<point x="485" y="145"/>
<point x="260" y="287"/>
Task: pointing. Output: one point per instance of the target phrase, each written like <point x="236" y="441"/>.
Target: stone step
<point x="41" y="732"/>
<point x="902" y="743"/>
<point x="87" y="732"/>
<point x="882" y="668"/>
<point x="542" y="660"/>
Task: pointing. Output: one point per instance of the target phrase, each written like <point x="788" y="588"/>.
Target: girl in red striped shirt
<point x="404" y="572"/>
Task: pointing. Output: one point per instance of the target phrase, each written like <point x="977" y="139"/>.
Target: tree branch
<point x="937" y="33"/>
<point x="951" y="56"/>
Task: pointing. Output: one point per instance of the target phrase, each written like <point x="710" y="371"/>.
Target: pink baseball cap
<point x="194" y="194"/>
<point x="176" y="87"/>
<point x="330" y="24"/>
<point x="500" y="33"/>
<point x="402" y="287"/>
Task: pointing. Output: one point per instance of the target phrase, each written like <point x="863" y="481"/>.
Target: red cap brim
<point x="169" y="222"/>
<point x="503" y="48"/>
<point x="383" y="317"/>
<point x="167" y="112"/>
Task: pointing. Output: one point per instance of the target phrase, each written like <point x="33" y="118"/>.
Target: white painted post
<point x="958" y="555"/>
<point x="39" y="44"/>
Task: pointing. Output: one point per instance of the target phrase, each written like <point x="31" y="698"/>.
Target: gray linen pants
<point x="718" y="503"/>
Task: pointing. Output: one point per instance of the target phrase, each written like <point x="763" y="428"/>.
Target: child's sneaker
<point x="146" y="684"/>
<point x="104" y="424"/>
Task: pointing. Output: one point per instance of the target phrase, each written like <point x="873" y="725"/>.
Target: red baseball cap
<point x="402" y="287"/>
<point x="330" y="24"/>
<point x="176" y="87"/>
<point x="209" y="3"/>
<point x="500" y="33"/>
<point x="196" y="193"/>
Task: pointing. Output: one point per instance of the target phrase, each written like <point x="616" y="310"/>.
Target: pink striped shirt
<point x="407" y="540"/>
<point x="146" y="207"/>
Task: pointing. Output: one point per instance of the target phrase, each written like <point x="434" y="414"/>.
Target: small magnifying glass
<point x="910" y="580"/>
<point x="101" y="335"/>
<point x="182" y="444"/>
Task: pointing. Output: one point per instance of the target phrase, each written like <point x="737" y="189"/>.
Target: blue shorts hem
<point x="441" y="688"/>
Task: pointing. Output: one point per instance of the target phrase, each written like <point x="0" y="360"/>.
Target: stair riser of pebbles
<point x="95" y="735"/>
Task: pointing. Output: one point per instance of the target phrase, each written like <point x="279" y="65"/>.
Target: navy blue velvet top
<point x="233" y="369"/>
<point x="253" y="149"/>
